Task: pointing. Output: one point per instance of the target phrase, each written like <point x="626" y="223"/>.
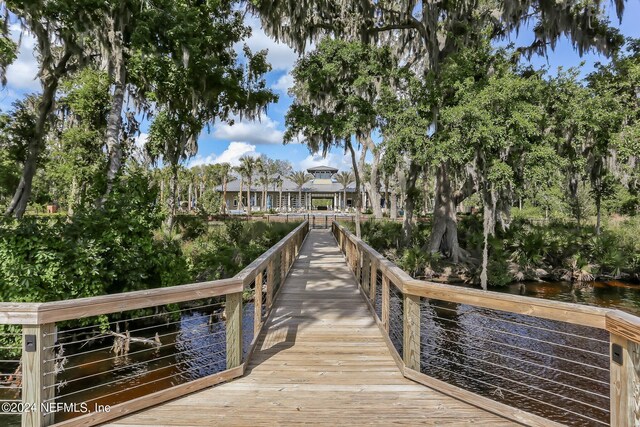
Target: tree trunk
<point x="161" y="191"/>
<point x="374" y="189"/>
<point x="173" y="190"/>
<point x="408" y="222"/>
<point x="444" y="232"/>
<point x="73" y="196"/>
<point x="249" y="197"/>
<point x="114" y="118"/>
<point x="598" y="213"/>
<point x="357" y="192"/>
<point x="190" y="197"/>
<point x="240" y="207"/>
<point x="18" y="204"/>
<point x="488" y="228"/>
<point x="393" y="212"/>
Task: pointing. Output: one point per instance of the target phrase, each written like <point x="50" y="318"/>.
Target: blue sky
<point x="229" y="143"/>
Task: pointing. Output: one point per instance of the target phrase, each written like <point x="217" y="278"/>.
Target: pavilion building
<point x="320" y="193"/>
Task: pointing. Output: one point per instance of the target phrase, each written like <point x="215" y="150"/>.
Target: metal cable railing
<point x="396" y="315"/>
<point x="10" y="376"/>
<point x="553" y="369"/>
<point x="137" y="356"/>
<point x="378" y="297"/>
<point x="248" y="315"/>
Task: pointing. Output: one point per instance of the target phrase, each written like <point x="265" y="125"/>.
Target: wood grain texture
<point x="156" y="398"/>
<point x="411" y="332"/>
<point x="233" y="309"/>
<point x="35" y="390"/>
<point x="623" y="324"/>
<point x="321" y="360"/>
<point x="625" y="384"/>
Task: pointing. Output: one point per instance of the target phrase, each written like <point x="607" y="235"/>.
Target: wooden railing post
<point x="366" y="269"/>
<point x="233" y="310"/>
<point x="373" y="281"/>
<point x="385" y="303"/>
<point x="411" y="332"/>
<point x="357" y="255"/>
<point x="257" y="304"/>
<point x="37" y="374"/>
<point x="624" y="370"/>
<point x="270" y="283"/>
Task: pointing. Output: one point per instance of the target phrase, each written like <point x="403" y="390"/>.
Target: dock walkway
<point x="321" y="359"/>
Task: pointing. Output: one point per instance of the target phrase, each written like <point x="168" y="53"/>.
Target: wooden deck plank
<point x="320" y="360"/>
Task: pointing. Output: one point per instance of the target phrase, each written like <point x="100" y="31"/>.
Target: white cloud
<point x="284" y="83"/>
<point x="21" y="75"/>
<point x="231" y="155"/>
<point x="254" y="132"/>
<point x="341" y="162"/>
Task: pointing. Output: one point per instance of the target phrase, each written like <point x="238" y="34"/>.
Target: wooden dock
<point x="321" y="359"/>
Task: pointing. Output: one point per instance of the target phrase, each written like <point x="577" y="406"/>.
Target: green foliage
<point x="224" y="251"/>
<point x="96" y="252"/>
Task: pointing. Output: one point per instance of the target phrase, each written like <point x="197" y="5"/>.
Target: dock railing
<point x="159" y="344"/>
<point x="537" y="362"/>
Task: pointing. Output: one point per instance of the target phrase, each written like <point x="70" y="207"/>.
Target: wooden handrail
<point x="624" y="330"/>
<point x="58" y="311"/>
<point x="554" y="310"/>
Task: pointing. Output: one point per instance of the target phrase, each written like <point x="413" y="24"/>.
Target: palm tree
<point x="248" y="166"/>
<point x="300" y="179"/>
<point x="225" y="175"/>
<point x="344" y="179"/>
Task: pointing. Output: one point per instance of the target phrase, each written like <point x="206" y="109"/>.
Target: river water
<point x="552" y="369"/>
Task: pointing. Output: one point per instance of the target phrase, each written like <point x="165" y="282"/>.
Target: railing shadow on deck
<point x="534" y="361"/>
<point x="173" y="341"/>
<point x="292" y="313"/>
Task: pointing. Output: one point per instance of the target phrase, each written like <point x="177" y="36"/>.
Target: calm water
<point x="549" y="368"/>
<point x="553" y="369"/>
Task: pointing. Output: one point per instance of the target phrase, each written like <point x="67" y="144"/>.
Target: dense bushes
<point x="527" y="250"/>
<point x="223" y="251"/>
<point x="95" y="252"/>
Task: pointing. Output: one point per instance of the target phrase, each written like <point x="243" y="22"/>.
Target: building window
<point x="235" y="203"/>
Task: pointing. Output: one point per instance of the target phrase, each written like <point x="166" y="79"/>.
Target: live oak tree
<point x="198" y="78"/>
<point x="60" y="28"/>
<point x="423" y="34"/>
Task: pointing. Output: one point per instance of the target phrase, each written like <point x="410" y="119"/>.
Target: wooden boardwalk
<point x="321" y="359"/>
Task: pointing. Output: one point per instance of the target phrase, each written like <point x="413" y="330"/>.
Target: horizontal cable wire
<point x="67" y="331"/>
<point x="135" y="352"/>
<point x="524" y="349"/>
<point x="479" y="313"/>
<point x="10" y="361"/>
<point x="161" y="325"/>
<point x="143" y="362"/>
<point x="522" y="360"/>
<point x="195" y="328"/>
<point x="520" y="394"/>
<point x="520" y="383"/>
<point x="522" y="372"/>
<point x="125" y="379"/>
<point x="151" y="382"/>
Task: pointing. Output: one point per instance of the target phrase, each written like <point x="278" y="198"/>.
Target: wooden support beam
<point x="385" y="303"/>
<point x="625" y="382"/>
<point x="270" y="283"/>
<point x="257" y="304"/>
<point x="37" y="360"/>
<point x="411" y="332"/>
<point x="373" y="281"/>
<point x="233" y="309"/>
